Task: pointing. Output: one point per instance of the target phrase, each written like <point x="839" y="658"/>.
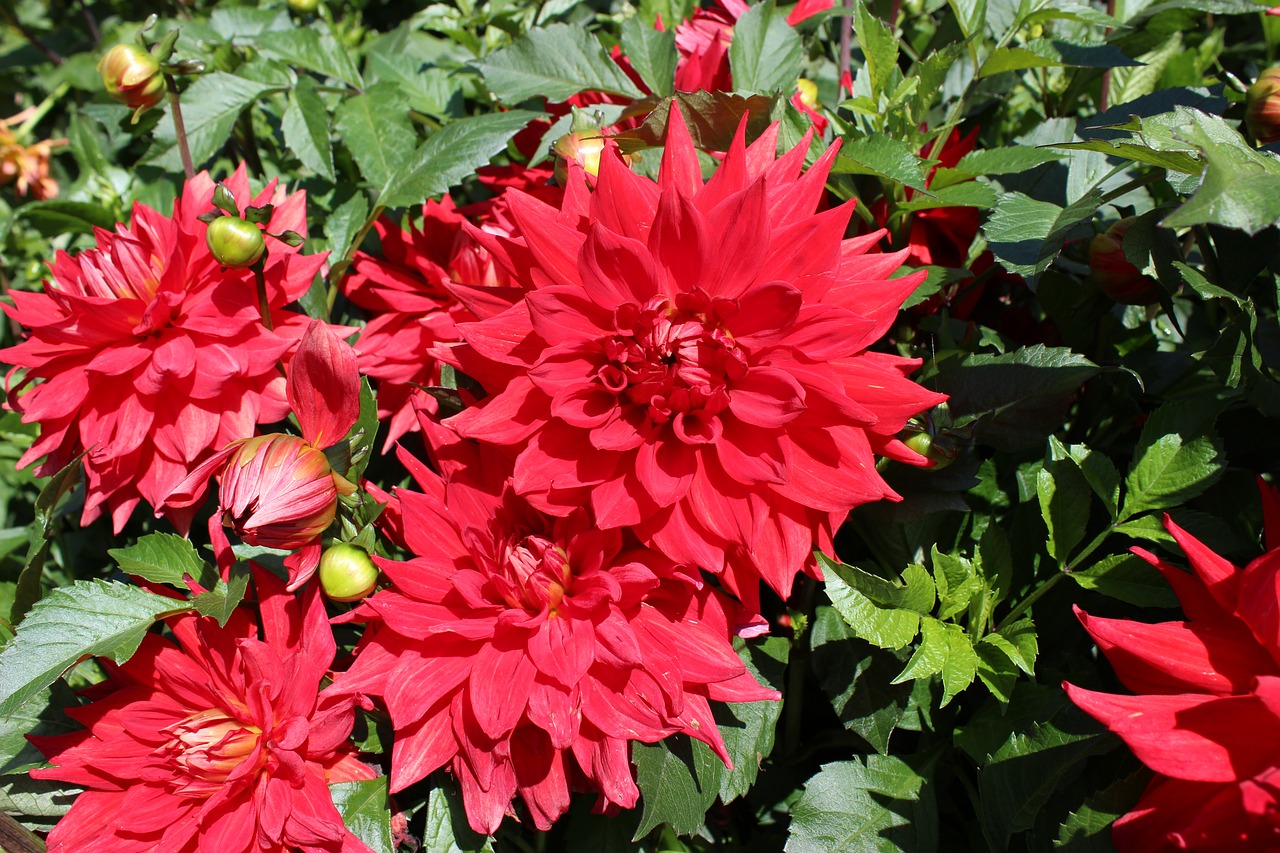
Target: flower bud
<point x="1114" y="274"/>
<point x="582" y="147"/>
<point x="278" y="491"/>
<point x="807" y="91"/>
<point x="940" y="451"/>
<point x="132" y="76"/>
<point x="347" y="573"/>
<point x="1262" y="107"/>
<point x="304" y="6"/>
<point x="235" y="242"/>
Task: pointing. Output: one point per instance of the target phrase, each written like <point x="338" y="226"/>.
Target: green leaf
<point x="88" y="618"/>
<point x="375" y="127"/>
<point x="679" y="778"/>
<point x="1175" y="461"/>
<point x="313" y="50"/>
<point x="1127" y="577"/>
<point x="873" y="803"/>
<point x="766" y="53"/>
<point x="1088" y="828"/>
<point x="446" y="827"/>
<point x="1026" y="235"/>
<point x="52" y="218"/>
<point x="39" y="536"/>
<point x="1016" y="398"/>
<point x="1148" y="527"/>
<point x="957" y="582"/>
<point x="342" y="226"/>
<point x="886" y="627"/>
<point x="1240" y="187"/>
<point x="556" y="63"/>
<point x="946" y="650"/>
<point x="884" y="157"/>
<point x="748" y="727"/>
<point x="44" y="714"/>
<point x="363" y="806"/>
<point x="164" y="558"/>
<point x="1098" y="470"/>
<point x="221" y="601"/>
<point x="1177" y="161"/>
<point x="1064" y="497"/>
<point x="855" y="676"/>
<point x="652" y="54"/>
<point x="451" y="154"/>
<point x="210" y="107"/>
<point x="35" y="798"/>
<point x="915" y="591"/>
<point x="363" y="433"/>
<point x="1009" y="160"/>
<point x="306" y="128"/>
<point x="968" y="194"/>
<point x="1029" y="766"/>
<point x="879" y="47"/>
<point x="995" y="669"/>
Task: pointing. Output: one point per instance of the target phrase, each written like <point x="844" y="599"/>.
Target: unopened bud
<point x="807" y="90"/>
<point x="1262" y="110"/>
<point x="347" y="573"/>
<point x="235" y="242"/>
<point x="132" y="76"/>
<point x="1114" y="274"/>
<point x="583" y="148"/>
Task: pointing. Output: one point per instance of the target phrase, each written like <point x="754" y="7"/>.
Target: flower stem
<point x="1025" y="605"/>
<point x="180" y="129"/>
<point x="17" y="838"/>
<point x="264" y="305"/>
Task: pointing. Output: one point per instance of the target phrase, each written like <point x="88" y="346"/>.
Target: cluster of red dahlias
<point x="672" y="399"/>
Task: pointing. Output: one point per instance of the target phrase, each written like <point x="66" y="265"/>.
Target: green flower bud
<point x="347" y="573"/>
<point x="132" y="76"/>
<point x="234" y="242"/>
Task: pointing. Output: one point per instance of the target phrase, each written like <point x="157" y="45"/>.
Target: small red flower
<point x="409" y="293"/>
<point x="1207" y="715"/>
<point x="692" y="360"/>
<point x="221" y="741"/>
<point x="526" y="652"/>
<point x="279" y="491"/>
<point x="151" y="353"/>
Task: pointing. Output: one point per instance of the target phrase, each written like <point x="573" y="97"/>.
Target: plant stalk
<point x="180" y="128"/>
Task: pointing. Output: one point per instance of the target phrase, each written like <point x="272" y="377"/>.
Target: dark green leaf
<point x="1240" y="187"/>
<point x="1128" y="578"/>
<point x="1176" y="458"/>
<point x="375" y="127"/>
<point x="221" y="601"/>
<point x="210" y="108"/>
<point x="652" y="54"/>
<point x="446" y="827"/>
<point x="556" y="63"/>
<point x="856" y="677"/>
<point x="1088" y="828"/>
<point x="1064" y="496"/>
<point x="313" y="50"/>
<point x="946" y="650"/>
<point x="748" y="727"/>
<point x="306" y="128"/>
<point x="878" y="44"/>
<point x="88" y="618"/>
<point x="884" y="157"/>
<point x="993" y="161"/>
<point x="363" y="806"/>
<point x="874" y="803"/>
<point x="679" y="778"/>
<point x="1026" y="235"/>
<point x="164" y="558"/>
<point x="766" y="52"/>
<point x="52" y="218"/>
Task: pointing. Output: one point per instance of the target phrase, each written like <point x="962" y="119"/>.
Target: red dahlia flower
<point x="219" y="742"/>
<point x="153" y="355"/>
<point x="279" y="491"/>
<point x="1207" y="717"/>
<point x="691" y="361"/>
<point x="408" y="294"/>
<point x="526" y="651"/>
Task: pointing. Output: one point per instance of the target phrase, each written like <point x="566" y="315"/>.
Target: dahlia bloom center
<point x="674" y="361"/>
<point x="537" y="575"/>
<point x="207" y="748"/>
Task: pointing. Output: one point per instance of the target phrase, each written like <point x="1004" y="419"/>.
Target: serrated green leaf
<point x="44" y="714"/>
<point x="306" y="128"/>
<point x="1088" y="828"/>
<point x="679" y="778"/>
<point x="1240" y="187"/>
<point x="969" y="194"/>
<point x="1175" y="460"/>
<point x="1098" y="470"/>
<point x="996" y="670"/>
<point x="747" y="728"/>
<point x="652" y="54"/>
<point x="874" y="803"/>
<point x="164" y="558"/>
<point x="363" y="806"/>
<point x="556" y="63"/>
<point x="210" y="107"/>
<point x="375" y="128"/>
<point x="884" y="157"/>
<point x="1128" y="578"/>
<point x="946" y="650"/>
<point x="1053" y="53"/>
<point x="1148" y="527"/>
<point x="221" y="601"/>
<point x="1176" y="161"/>
<point x="1009" y="160"/>
<point x="29" y="587"/>
<point x="35" y="798"/>
<point x="1064" y="496"/>
<point x="766" y="52"/>
<point x="451" y="154"/>
<point x="88" y="618"/>
<point x="879" y="47"/>
<point x="1026" y="235"/>
<point x="957" y="582"/>
<point x="855" y="676"/>
<point x="915" y="591"/>
<point x="313" y="50"/>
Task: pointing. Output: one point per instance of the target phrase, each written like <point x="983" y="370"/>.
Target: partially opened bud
<point x="132" y="76"/>
<point x="581" y="147"/>
<point x="347" y="573"/>
<point x="1262" y="110"/>
<point x="807" y="90"/>
<point x="1114" y="274"/>
<point x="278" y="491"/>
<point x="235" y="242"/>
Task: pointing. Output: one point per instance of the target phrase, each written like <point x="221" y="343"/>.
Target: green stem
<point x="41" y="111"/>
<point x="179" y="127"/>
<point x="798" y="662"/>
<point x="264" y="304"/>
<point x="1040" y="591"/>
